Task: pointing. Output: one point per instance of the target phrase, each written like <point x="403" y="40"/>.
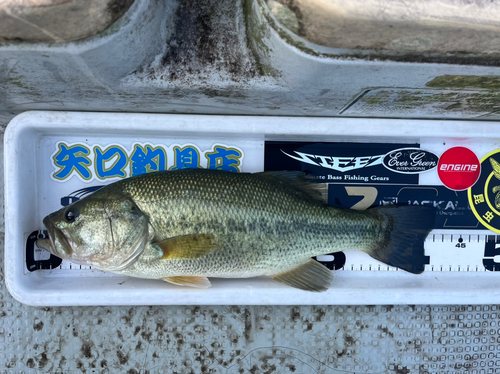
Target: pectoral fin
<point x="311" y="276"/>
<point x="186" y="247"/>
<point x="196" y="282"/>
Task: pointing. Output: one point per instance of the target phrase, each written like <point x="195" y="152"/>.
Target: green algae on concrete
<point x="465" y="81"/>
<point x="257" y="31"/>
<point x="467" y="103"/>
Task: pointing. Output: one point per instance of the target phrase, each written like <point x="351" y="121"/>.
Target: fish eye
<point x="71" y="215"/>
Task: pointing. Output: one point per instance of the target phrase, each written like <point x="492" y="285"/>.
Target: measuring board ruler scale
<point x="468" y="252"/>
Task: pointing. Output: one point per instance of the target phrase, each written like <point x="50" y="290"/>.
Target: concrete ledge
<point x="419" y="26"/>
<point x="57" y="21"/>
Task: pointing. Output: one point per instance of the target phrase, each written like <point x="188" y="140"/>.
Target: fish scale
<point x="220" y="202"/>
<point x="249" y="225"/>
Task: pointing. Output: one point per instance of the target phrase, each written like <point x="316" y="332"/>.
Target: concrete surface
<point x="173" y="57"/>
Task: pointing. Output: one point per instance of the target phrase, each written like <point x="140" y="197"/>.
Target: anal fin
<point x="311" y="276"/>
<point x="196" y="282"/>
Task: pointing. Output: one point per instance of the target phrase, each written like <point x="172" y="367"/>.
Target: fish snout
<point x="57" y="243"/>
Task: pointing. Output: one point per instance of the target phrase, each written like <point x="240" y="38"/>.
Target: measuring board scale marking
<point x="445" y="252"/>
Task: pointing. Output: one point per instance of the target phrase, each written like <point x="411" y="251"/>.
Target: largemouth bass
<point x="188" y="225"/>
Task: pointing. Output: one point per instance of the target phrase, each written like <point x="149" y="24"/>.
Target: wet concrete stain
<point x="319" y="313"/>
<point x="341" y="353"/>
<point x="62" y="362"/>
<point x="38" y="326"/>
<point x="403" y="370"/>
<point x="86" y="349"/>
<point x="147" y="336"/>
<point x="248" y="324"/>
<point x="10" y="364"/>
<point x="295" y="315"/>
<point x="122" y="357"/>
<point x="42" y="360"/>
<point x="180" y="342"/>
<point x="30" y="363"/>
<point x="386" y="331"/>
<point x="349" y="340"/>
<point x="80" y="366"/>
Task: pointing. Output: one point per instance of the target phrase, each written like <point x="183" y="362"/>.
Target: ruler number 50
<point x="492" y="249"/>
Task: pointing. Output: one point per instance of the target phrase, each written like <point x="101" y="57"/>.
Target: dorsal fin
<point x="298" y="179"/>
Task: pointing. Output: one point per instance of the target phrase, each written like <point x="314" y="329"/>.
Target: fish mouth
<point x="57" y="243"/>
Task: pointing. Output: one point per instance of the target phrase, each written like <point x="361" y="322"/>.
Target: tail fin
<point x="408" y="226"/>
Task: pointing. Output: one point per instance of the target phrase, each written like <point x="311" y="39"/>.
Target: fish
<point x="186" y="226"/>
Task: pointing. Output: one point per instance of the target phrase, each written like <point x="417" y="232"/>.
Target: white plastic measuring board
<point x="52" y="158"/>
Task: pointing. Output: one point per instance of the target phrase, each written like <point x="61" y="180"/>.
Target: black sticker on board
<point x="452" y="207"/>
<point x="37" y="258"/>
<point x="491" y="250"/>
<point x="410" y="160"/>
<point x="484" y="195"/>
<point x="337" y="162"/>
